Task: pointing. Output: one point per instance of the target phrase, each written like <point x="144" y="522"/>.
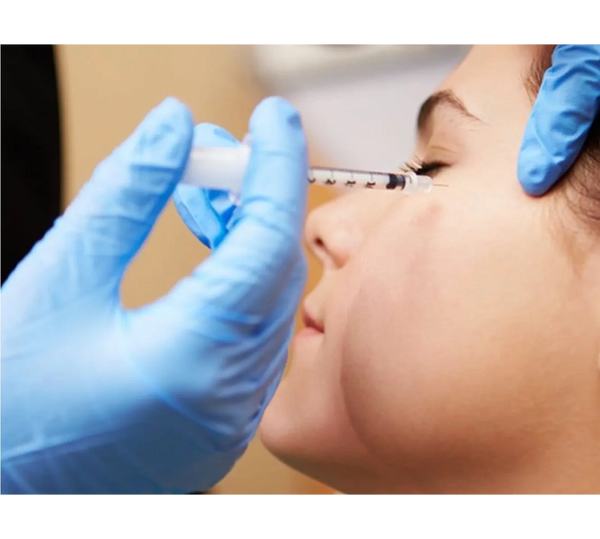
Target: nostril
<point x="315" y="244"/>
<point x="320" y="249"/>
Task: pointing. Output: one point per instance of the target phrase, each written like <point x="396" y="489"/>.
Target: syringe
<point x="224" y="167"/>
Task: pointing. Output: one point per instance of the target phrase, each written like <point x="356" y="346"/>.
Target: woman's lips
<point x="311" y="326"/>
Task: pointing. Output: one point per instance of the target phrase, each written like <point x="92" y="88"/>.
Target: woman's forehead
<point x="491" y="81"/>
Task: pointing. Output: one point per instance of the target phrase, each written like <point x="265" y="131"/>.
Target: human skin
<point x="457" y="338"/>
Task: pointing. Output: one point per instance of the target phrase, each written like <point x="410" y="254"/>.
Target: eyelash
<point x="424" y="167"/>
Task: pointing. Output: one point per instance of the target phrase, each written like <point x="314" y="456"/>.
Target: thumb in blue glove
<point x="566" y="106"/>
<point x="165" y="398"/>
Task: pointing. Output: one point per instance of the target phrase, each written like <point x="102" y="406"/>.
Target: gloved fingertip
<point x="221" y="133"/>
<point x="165" y="135"/>
<point x="274" y="111"/>
<point x="535" y="176"/>
<point x="278" y="165"/>
<point x="199" y="214"/>
<point x="185" y="198"/>
<point x="170" y="111"/>
<point x="207" y="134"/>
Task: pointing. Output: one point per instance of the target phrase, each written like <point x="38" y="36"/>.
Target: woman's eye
<point x="430" y="168"/>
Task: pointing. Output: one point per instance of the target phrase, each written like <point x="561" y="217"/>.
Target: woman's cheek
<point x="411" y="365"/>
<point x="448" y="323"/>
<point x="386" y="344"/>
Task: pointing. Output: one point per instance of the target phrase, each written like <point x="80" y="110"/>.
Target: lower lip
<point x="309" y="332"/>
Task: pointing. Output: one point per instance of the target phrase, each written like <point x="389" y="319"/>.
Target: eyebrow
<point x="444" y="98"/>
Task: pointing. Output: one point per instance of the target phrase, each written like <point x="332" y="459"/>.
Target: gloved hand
<point x="162" y="399"/>
<point x="564" y="111"/>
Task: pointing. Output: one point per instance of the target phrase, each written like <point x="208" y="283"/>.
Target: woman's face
<point x="460" y="328"/>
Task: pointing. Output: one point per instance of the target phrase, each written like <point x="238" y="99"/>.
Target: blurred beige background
<point x="105" y="91"/>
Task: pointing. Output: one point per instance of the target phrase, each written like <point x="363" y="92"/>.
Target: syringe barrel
<point x="217" y="167"/>
<point x="224" y="168"/>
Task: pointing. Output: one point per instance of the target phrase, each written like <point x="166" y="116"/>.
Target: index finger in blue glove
<point x="567" y="104"/>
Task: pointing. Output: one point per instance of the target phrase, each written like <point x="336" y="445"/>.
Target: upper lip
<point x="310" y="322"/>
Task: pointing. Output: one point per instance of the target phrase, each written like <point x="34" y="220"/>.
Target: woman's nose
<point x="335" y="230"/>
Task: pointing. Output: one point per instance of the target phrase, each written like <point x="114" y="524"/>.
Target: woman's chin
<point x="277" y="428"/>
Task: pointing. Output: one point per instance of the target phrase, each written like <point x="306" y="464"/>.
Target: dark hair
<point x="581" y="184"/>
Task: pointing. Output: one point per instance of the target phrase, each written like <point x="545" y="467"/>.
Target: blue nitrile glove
<point x="564" y="111"/>
<point x="165" y="398"/>
<point x="208" y="213"/>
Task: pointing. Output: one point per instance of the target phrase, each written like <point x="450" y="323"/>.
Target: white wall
<point x="365" y="117"/>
